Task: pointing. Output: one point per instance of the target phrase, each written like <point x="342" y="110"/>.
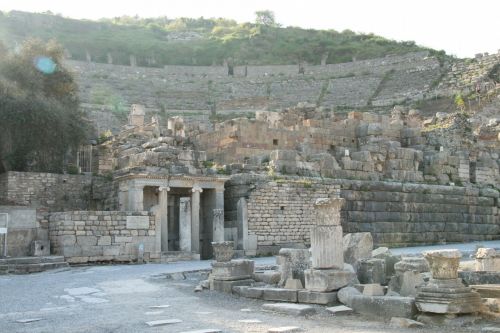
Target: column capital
<point x="219" y="190"/>
<point x="196" y="189"/>
<point x="163" y="188"/>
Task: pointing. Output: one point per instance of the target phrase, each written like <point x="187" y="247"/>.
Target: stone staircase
<point x="26" y="265"/>
<point x="174" y="256"/>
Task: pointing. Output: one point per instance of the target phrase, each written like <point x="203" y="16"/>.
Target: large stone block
<point x="314" y="297"/>
<point x="372" y="271"/>
<point x="227" y="286"/>
<point x="384" y="306"/>
<point x="326" y="247"/>
<point x="291" y="309"/>
<point x="238" y="269"/>
<point x="292" y="263"/>
<point x="325" y="280"/>
<point x="281" y="295"/>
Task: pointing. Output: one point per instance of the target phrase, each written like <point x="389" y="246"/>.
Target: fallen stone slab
<point x="470" y="278"/>
<point x="227" y="286"/>
<point x="340" y="310"/>
<point x="153" y="313"/>
<point x="487" y="290"/>
<point x="373" y="289"/>
<point x="314" y="297"/>
<point x="248" y="292"/>
<point x="250" y="321"/>
<point x="291" y="309"/>
<point x="405" y="323"/>
<point x="383" y="306"/>
<point x="345" y="295"/>
<point x="284" y="329"/>
<point x="28" y="320"/>
<point x="281" y="295"/>
<point x="155" y="323"/>
<point x="206" y="330"/>
<point x="268" y="277"/>
<point x="490" y="329"/>
<point x="434" y="319"/>
<point x="159" y="306"/>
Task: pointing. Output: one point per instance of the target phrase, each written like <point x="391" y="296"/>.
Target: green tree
<point x="40" y="119"/>
<point x="265" y="17"/>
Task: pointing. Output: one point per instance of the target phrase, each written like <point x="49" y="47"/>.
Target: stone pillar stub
<point x="218" y="225"/>
<point x="163" y="222"/>
<point x="326" y="247"/>
<point x="185" y="224"/>
<point x="195" y="219"/>
<point x="242" y="223"/>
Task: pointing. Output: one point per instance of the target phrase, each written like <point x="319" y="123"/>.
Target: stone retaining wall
<point x="54" y="191"/>
<point x="102" y="236"/>
<point x="280" y="212"/>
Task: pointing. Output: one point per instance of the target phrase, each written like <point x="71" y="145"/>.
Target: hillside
<point x="162" y="41"/>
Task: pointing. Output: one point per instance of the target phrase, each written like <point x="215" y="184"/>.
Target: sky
<point x="461" y="28"/>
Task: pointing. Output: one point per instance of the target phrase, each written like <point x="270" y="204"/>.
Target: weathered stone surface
<point x="447" y="296"/>
<point x="339" y="310"/>
<point x="292" y="263"/>
<point x="405" y="323"/>
<point x="248" y="292"/>
<point x="137" y="222"/>
<point x="155" y="323"/>
<point x="237" y="269"/>
<point x="345" y="295"/>
<point x="326" y="246"/>
<point x="383" y="306"/>
<point x="325" y="280"/>
<point x="373" y="290"/>
<point x="371" y="271"/>
<point x="284" y="329"/>
<point x="227" y="286"/>
<point x="487" y="290"/>
<point x="407" y="283"/>
<point x="313" y="297"/>
<point x="412" y="264"/>
<point x="291" y="309"/>
<point x="268" y="277"/>
<point x="293" y="284"/>
<point x="472" y="278"/>
<point x="357" y="246"/>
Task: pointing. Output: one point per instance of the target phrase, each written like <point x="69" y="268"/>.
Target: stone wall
<point x="102" y="236"/>
<point x="397" y="214"/>
<point x="53" y="191"/>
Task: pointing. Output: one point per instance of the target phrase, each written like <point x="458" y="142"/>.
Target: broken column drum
<point x="445" y="293"/>
<point x="327" y="272"/>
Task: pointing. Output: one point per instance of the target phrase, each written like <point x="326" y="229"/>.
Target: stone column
<point x="218" y="225"/>
<point x="195" y="219"/>
<point x="135" y="198"/>
<point x="326" y="235"/>
<point x="162" y="224"/>
<point x="327" y="273"/>
<point x="185" y="224"/>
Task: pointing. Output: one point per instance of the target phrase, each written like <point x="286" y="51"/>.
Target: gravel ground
<point x="119" y="299"/>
